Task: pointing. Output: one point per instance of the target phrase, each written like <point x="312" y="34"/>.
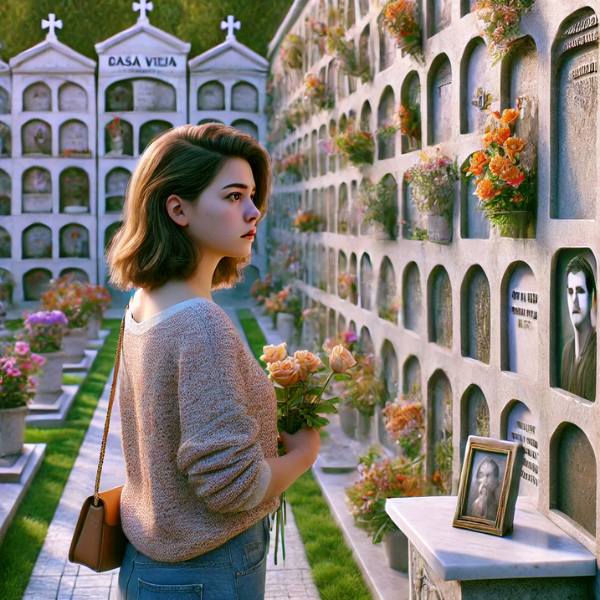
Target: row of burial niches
<point x="73" y="188"/>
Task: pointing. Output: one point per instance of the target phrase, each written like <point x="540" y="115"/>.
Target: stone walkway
<point x="54" y="578"/>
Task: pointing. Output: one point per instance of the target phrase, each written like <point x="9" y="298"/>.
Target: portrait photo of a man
<point x="486" y="486"/>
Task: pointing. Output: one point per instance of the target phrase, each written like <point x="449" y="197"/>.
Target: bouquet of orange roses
<point x="300" y="400"/>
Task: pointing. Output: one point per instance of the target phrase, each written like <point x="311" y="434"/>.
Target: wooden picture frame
<point x="489" y="485"/>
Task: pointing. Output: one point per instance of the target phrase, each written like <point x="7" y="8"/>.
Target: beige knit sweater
<point x="199" y="416"/>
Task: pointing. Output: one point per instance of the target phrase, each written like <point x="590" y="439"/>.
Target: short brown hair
<point x="149" y="249"/>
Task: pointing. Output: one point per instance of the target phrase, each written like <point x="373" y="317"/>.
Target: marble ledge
<point x="535" y="548"/>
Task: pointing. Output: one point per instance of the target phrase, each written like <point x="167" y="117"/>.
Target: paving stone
<point x="67" y="585"/>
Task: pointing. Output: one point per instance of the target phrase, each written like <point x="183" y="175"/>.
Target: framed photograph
<point x="489" y="485"/>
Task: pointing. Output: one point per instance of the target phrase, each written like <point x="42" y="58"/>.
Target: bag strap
<point x="110" y="405"/>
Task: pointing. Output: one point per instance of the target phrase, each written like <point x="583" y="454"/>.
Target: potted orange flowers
<point x="505" y="176"/>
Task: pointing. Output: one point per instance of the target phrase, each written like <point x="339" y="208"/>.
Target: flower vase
<point x="12" y="430"/>
<point x="395" y="544"/>
<point x="74" y="343"/>
<point x="51" y="377"/>
<point x="94" y="324"/>
<point x="286" y="327"/>
<point x="514" y="224"/>
<point x="348" y="419"/>
<point x="364" y="427"/>
<point x="438" y="229"/>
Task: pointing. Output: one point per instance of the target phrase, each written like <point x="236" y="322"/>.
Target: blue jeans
<point x="236" y="570"/>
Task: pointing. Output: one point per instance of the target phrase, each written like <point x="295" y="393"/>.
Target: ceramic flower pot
<point x="50" y="377"/>
<point x="438" y="229"/>
<point x="348" y="420"/>
<point x="286" y="327"/>
<point x="94" y="324"/>
<point x="515" y="224"/>
<point x="74" y="344"/>
<point x="12" y="430"/>
<point x="395" y="544"/>
<point x="364" y="428"/>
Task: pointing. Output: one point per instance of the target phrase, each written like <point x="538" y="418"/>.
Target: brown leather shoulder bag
<point x="98" y="541"/>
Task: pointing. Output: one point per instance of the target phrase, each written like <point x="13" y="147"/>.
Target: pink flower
<point x="37" y="359"/>
<point x="22" y="348"/>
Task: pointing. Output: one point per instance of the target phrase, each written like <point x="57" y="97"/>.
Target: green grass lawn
<point x="335" y="573"/>
<point x="25" y="536"/>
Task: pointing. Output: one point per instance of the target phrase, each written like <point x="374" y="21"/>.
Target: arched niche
<point x="321" y="268"/>
<point x="322" y="150"/>
<point x="411" y="377"/>
<point x="37" y="98"/>
<point x="331" y="211"/>
<point x="476" y="86"/>
<point x="116" y="188"/>
<point x="387" y="50"/>
<point x="439" y="15"/>
<point x="365" y="341"/>
<point x="364" y="51"/>
<point x="341" y="324"/>
<point x="387" y="303"/>
<point x="244" y="97"/>
<point x="331" y="274"/>
<point x="574" y="117"/>
<point x="36" y="137"/>
<point x="332" y="145"/>
<point x="366" y="282"/>
<point x="473" y="222"/>
<point x="211" y="96"/>
<point x="440" y="307"/>
<point x="76" y="274"/>
<point x="353" y="269"/>
<point x="385" y="113"/>
<point x="363" y="192"/>
<point x="475" y="317"/>
<point x="330" y="88"/>
<point x="35" y="283"/>
<point x="411" y="298"/>
<point x="74" y="241"/>
<point x="37" y="241"/>
<point x="5" y="243"/>
<point x="410" y="99"/>
<point x="351" y="15"/>
<point x="118" y="138"/>
<point x="110" y="231"/>
<point x="439" y="428"/>
<point x="440" y="100"/>
<point x="314" y="165"/>
<point x="149" y="130"/>
<point x="390" y="389"/>
<point x="520" y="321"/>
<point x="5" y="193"/>
<point x="203" y="121"/>
<point x="343" y="209"/>
<point x="73" y="139"/>
<point x="74" y="190"/>
<point x="141" y="94"/>
<point x="366" y="117"/>
<point x="343" y="288"/>
<point x="343" y="125"/>
<point x="574" y="322"/>
<point x="4" y="101"/>
<point x="364" y="7"/>
<point x="413" y="226"/>
<point x="119" y="96"/>
<point x="354" y="212"/>
<point x="5" y="141"/>
<point x="519" y="425"/>
<point x="573" y="476"/>
<point x="475" y="416"/>
<point x="72" y="98"/>
<point x="331" y="324"/>
<point x="7" y="286"/>
<point x="37" y="190"/>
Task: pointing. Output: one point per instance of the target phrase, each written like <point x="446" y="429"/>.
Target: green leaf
<point x="325" y="408"/>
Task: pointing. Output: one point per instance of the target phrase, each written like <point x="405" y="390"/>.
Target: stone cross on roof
<point x="51" y="24"/>
<point x="230" y="25"/>
<point x="143" y="6"/>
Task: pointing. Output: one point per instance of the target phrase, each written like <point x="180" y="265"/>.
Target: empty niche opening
<point x="37" y="190"/>
<point x="440" y="100"/>
<point x="37" y="98"/>
<point x="387" y="302"/>
<point x="473" y="222"/>
<point x="353" y="275"/>
<point x="411" y="379"/>
<point x="411" y="298"/>
<point x="389" y="390"/>
<point x="331" y="145"/>
<point x="74" y="241"/>
<point x="36" y="137"/>
<point x="321" y="268"/>
<point x="314" y="165"/>
<point x="477" y="87"/>
<point x="211" y="96"/>
<point x="5" y="140"/>
<point x="5" y="244"/>
<point x="519" y="319"/>
<point x="7" y="286"/>
<point x="440" y="307"/>
<point x="37" y="241"/>
<point x="574" y="321"/>
<point x="475" y="316"/>
<point x="118" y="138"/>
<point x="150" y="130"/>
<point x="341" y="325"/>
<point x="354" y="212"/>
<point x="366" y="282"/>
<point x="4" y="102"/>
<point x="35" y="283"/>
<point x="331" y="324"/>
<point x="244" y="97"/>
<point x="343" y="159"/>
<point x="439" y="427"/>
<point x="331" y="275"/>
<point x="574" y="112"/>
<point x="109" y="233"/>
<point x="439" y="15"/>
<point x="519" y="425"/>
<point x="5" y="193"/>
<point x="365" y="342"/>
<point x="343" y="210"/>
<point x="350" y="15"/>
<point x="410" y="101"/>
<point x="331" y="87"/>
<point x="73" y="139"/>
<point x="116" y="188"/>
<point x="344" y="279"/>
<point x="76" y="274"/>
<point x="364" y="51"/>
<point x="366" y="117"/>
<point x="364" y="192"/>
<point x="72" y="98"/>
<point x="475" y="416"/>
<point x="74" y="189"/>
<point x="322" y="150"/>
<point x="573" y="477"/>
<point x="386" y="140"/>
<point x="387" y="50"/>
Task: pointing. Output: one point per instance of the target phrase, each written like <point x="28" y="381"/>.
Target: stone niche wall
<point x="486" y="330"/>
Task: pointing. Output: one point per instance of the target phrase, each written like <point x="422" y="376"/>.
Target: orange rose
<point x="513" y="145"/>
<point x="488" y="138"/>
<point x="478" y="162"/>
<point x="284" y="372"/>
<point x="513" y="176"/>
<point x="274" y="353"/>
<point x="486" y="190"/>
<point x="502" y="135"/>
<point x="509" y="115"/>
<point x="307" y="363"/>
<point x="340" y="359"/>
<point x="498" y="164"/>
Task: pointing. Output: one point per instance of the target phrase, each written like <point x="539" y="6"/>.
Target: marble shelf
<point x="535" y="548"/>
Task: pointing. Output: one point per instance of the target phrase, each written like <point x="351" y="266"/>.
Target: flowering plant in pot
<point x="262" y="288"/>
<point x="404" y="421"/>
<point x="315" y="91"/>
<point x="505" y="175"/>
<point x="319" y="32"/>
<point x="347" y="285"/>
<point x="300" y="382"/>
<point x="401" y="19"/>
<point x="291" y="51"/>
<point x="409" y="118"/>
<point x="293" y="164"/>
<point x="284" y="302"/>
<point x="390" y="311"/>
<point x="308" y="221"/>
<point x="378" y="204"/>
<point x="344" y="51"/>
<point x="96" y="299"/>
<point x="358" y="145"/>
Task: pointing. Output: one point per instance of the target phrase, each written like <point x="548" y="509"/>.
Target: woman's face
<point x="225" y="211"/>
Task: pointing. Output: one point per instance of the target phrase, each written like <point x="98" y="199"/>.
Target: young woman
<point x="198" y="412"/>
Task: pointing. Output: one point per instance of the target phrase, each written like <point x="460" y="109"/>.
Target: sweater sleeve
<point x="219" y="448"/>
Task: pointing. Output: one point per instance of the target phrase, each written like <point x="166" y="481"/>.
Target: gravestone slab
<point x="72" y="98"/>
<point x="152" y="95"/>
<point x="441" y="92"/>
<point x="37" y="242"/>
<point x="244" y="97"/>
<point x="37" y="137"/>
<point x="73" y="138"/>
<point x="37" y="98"/>
<point x="211" y="96"/>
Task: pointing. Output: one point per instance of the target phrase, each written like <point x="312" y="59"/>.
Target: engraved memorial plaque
<point x="244" y="97"/>
<point x="522" y="427"/>
<point x="211" y="96"/>
<point x="151" y="95"/>
<point x="72" y="98"/>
